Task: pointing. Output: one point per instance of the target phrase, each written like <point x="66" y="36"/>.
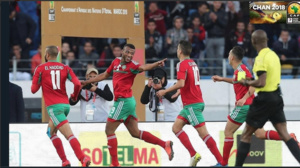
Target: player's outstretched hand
<point x="161" y="63"/>
<point x="216" y="78"/>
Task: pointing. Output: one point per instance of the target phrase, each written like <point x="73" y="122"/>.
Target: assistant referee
<point x="268" y="105"/>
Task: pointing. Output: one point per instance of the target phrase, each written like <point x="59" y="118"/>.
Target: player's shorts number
<point x="55" y="74"/>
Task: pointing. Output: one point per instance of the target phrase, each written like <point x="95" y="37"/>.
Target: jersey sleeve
<point x="110" y="69"/>
<point x="36" y="80"/>
<point x="261" y="64"/>
<point x="73" y="78"/>
<point x="181" y="71"/>
<point x="135" y="67"/>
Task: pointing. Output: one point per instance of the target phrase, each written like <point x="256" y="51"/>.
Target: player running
<point x="52" y="77"/>
<point x="124" y="70"/>
<point x="188" y="81"/>
<point x="244" y="97"/>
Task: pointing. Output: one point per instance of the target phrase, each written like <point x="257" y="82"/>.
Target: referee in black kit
<point x="268" y="105"/>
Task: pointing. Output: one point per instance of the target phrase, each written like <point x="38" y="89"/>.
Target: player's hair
<point x="52" y="51"/>
<point x="185" y="47"/>
<point x="238" y="52"/>
<point x="129" y="45"/>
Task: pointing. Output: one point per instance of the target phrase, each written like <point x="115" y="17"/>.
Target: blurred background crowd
<point x="213" y="28"/>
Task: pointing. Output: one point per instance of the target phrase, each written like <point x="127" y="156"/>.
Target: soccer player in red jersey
<point x="124" y="70"/>
<point x="188" y="81"/>
<point x="244" y="97"/>
<point x="52" y="77"/>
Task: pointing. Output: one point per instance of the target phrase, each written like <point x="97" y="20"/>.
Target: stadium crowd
<point x="213" y="28"/>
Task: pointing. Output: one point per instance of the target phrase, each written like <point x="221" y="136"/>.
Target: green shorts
<point x="58" y="114"/>
<point x="123" y="109"/>
<point x="239" y="114"/>
<point x="192" y="114"/>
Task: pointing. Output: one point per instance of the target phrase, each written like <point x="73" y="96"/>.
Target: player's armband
<point x="241" y="75"/>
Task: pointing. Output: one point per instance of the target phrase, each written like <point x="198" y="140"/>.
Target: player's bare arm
<point x="259" y="83"/>
<point x="242" y="101"/>
<point x="217" y="78"/>
<point x="179" y="84"/>
<point x="98" y="78"/>
<point x="147" y="67"/>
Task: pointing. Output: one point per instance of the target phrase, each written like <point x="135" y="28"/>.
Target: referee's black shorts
<point x="266" y="106"/>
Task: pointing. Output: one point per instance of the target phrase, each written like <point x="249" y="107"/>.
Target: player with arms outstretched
<point x="52" y="77"/>
<point x="124" y="70"/>
<point x="244" y="96"/>
<point x="188" y="81"/>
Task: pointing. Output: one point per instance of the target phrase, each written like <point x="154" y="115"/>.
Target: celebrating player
<point x="244" y="97"/>
<point x="124" y="70"/>
<point x="52" y="77"/>
<point x="188" y="81"/>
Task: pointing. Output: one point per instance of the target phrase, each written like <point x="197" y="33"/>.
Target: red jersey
<point x="239" y="89"/>
<point x="191" y="92"/>
<point x="123" y="77"/>
<point x="52" y="77"/>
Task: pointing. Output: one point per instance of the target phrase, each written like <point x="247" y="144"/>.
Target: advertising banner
<point x="30" y="146"/>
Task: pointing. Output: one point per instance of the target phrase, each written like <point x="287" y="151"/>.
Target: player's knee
<point x="175" y="129"/>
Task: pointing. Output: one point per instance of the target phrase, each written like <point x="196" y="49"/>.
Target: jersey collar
<point x="52" y="61"/>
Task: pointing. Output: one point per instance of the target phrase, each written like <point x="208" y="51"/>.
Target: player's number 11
<point x="57" y="75"/>
<point x="196" y="75"/>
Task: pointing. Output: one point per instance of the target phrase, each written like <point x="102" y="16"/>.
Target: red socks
<point x="212" y="146"/>
<point x="272" y="135"/>
<point x="184" y="139"/>
<point x="59" y="147"/>
<point x="148" y="137"/>
<point x="228" y="143"/>
<point x="76" y="147"/>
<point x="112" y="145"/>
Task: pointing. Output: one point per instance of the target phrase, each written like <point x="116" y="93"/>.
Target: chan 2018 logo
<point x="274" y="12"/>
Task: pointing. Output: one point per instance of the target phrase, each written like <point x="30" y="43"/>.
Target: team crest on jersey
<point x="123" y="67"/>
